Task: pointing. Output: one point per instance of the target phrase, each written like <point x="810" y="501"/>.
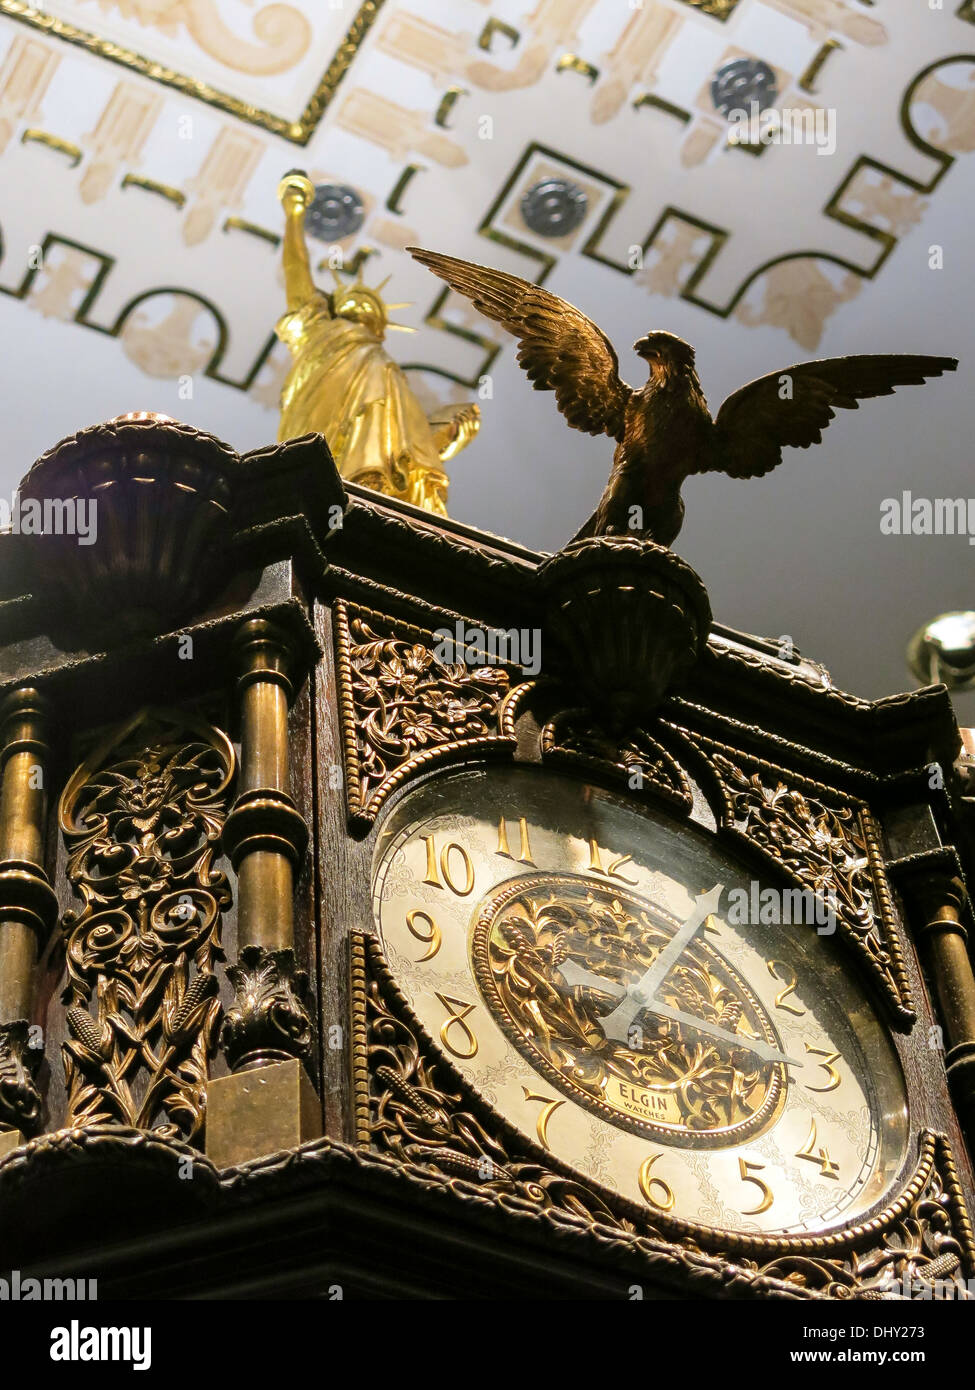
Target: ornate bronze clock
<point x="559" y="946"/>
<point x="344" y="951"/>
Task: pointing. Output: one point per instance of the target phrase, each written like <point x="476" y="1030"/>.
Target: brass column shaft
<point x="265" y="834"/>
<point x="944" y="941"/>
<point x="22" y="812"/>
<point x="949" y="959"/>
<point x="23" y="808"/>
<point x="26" y="900"/>
<point x="265" y="889"/>
<point x="264" y="733"/>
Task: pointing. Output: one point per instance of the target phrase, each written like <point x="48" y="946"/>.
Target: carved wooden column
<point x="942" y="938"/>
<point x="28" y="906"/>
<point x="268" y="1103"/>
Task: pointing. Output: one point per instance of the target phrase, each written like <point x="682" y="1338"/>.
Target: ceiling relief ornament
<point x="402" y="707"/>
<point x="635" y="58"/>
<point x="283" y="32"/>
<point x="24" y="78"/>
<point x="141" y="819"/>
<point x="825" y="17"/>
<point x="638" y="89"/>
<point x="412" y="1105"/>
<point x="275" y="66"/>
<point x="947" y="108"/>
<point x="799" y="296"/>
<point x="169" y="339"/>
<point x="552" y="26"/>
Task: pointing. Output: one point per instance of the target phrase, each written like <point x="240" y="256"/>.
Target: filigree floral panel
<point x="631" y="755"/>
<point x="828" y="844"/>
<point x="141" y="820"/>
<point x="402" y="706"/>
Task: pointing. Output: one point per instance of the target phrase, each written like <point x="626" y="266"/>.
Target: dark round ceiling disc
<point x="737" y="84"/>
<point x="336" y="212"/>
<point x="553" y="207"/>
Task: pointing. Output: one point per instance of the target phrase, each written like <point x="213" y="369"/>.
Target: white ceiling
<point x="799" y="552"/>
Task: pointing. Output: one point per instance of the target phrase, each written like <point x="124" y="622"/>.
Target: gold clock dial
<point x="553" y="956"/>
<point x="578" y="960"/>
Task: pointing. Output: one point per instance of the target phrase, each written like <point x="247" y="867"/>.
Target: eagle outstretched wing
<point x="560" y="349"/>
<point x="794" y="406"/>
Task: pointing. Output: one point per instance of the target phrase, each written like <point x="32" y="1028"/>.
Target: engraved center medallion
<point x="559" y="960"/>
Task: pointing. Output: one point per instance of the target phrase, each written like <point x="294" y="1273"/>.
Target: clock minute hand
<point x="574" y="974"/>
<point x="616" y="1025"/>
<point x="759" y="1049"/>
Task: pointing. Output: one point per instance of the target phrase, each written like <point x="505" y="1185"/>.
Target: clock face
<point x="627" y="994"/>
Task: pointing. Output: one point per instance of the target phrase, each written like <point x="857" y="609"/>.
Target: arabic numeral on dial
<point x="432" y="936"/>
<point x="657" y="1192"/>
<point x="440" y="868"/>
<point x="458" y="1011"/>
<point x="833" y="1077"/>
<point x="613" y="871"/>
<point x="748" y="1171"/>
<point x="809" y="1151"/>
<point x="781" y="972"/>
<point x="525" y="849"/>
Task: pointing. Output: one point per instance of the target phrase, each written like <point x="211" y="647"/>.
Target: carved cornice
<point x="402" y="708"/>
<point x="417" y="1109"/>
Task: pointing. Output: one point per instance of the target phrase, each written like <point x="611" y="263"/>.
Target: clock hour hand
<point x="641" y="995"/>
<point x="638" y="996"/>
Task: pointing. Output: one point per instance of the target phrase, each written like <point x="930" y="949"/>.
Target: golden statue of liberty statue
<point x="344" y="384"/>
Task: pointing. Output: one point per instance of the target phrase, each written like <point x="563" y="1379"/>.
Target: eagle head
<point x="665" y="350"/>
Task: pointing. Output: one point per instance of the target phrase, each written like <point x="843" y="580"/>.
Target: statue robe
<point x="345" y="385"/>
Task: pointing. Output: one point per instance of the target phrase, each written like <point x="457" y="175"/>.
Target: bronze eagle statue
<point x="664" y="431"/>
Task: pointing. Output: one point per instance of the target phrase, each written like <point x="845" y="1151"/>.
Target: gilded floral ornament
<point x="21" y="1106"/>
<point x="574" y="737"/>
<point x="829" y="849"/>
<point x="142" y="819"/>
<point x="402" y="706"/>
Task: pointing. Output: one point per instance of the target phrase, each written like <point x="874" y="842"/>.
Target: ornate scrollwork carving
<point x="20" y="1100"/>
<point x="142" y="819"/>
<point x="415" y="1111"/>
<point x="927" y="1240"/>
<point x="574" y="737"/>
<point x="402" y="706"/>
<point x="269" y="1020"/>
<point x="828" y="848"/>
<point x="414" y="1108"/>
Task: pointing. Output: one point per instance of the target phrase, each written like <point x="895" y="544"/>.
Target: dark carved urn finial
<point x="631" y="618"/>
